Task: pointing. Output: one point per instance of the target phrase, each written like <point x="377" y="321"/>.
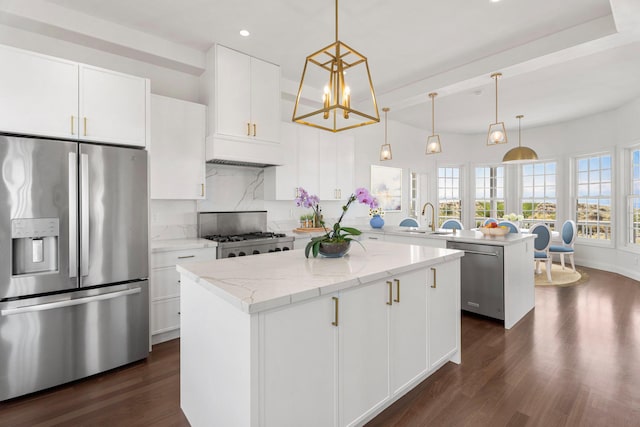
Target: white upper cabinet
<point x="176" y="151"/>
<point x="318" y="161"/>
<point x="47" y="96"/>
<point x="113" y="107"/>
<point x="247" y="96"/>
<point x="38" y="94"/>
<point x="336" y="161"/>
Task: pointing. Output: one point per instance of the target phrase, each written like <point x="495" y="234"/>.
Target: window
<point x="449" y="203"/>
<point x="538" y="194"/>
<point x="413" y="195"/>
<point x="593" y="201"/>
<point x="489" y="193"/>
<point x="634" y="198"/>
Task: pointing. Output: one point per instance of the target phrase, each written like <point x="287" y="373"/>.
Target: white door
<point x="363" y="351"/>
<point x="443" y="310"/>
<point x="38" y="94"/>
<point x="345" y="165"/>
<point x="177" y="151"/>
<point x="265" y="101"/>
<point x="113" y="107"/>
<point x="327" y="166"/>
<point x="280" y="182"/>
<point x="408" y="336"/>
<point x="308" y="159"/>
<point x="300" y="369"/>
<point x="233" y="93"/>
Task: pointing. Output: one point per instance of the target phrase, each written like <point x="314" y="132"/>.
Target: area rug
<point x="560" y="277"/>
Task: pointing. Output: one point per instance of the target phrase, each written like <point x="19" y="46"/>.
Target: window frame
<point x="493" y="199"/>
<point x="630" y="196"/>
<point x="527" y="223"/>
<point x="461" y="187"/>
<point x="611" y="242"/>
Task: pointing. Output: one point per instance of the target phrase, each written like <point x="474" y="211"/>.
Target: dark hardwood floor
<point x="573" y="361"/>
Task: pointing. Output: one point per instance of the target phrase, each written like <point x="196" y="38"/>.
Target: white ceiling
<point x="560" y="59"/>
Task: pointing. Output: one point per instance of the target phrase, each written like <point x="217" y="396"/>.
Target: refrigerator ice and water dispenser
<point x="34" y="245"/>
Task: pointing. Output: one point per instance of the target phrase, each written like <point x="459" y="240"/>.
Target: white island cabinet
<point x="280" y="340"/>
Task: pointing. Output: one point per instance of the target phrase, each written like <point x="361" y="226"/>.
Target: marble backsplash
<point x="232" y="188"/>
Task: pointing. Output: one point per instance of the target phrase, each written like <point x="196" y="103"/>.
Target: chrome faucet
<point x="433" y="215"/>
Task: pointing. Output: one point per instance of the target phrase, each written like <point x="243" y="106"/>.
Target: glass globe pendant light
<point x="433" y="142"/>
<point x="497" y="133"/>
<point x="385" y="150"/>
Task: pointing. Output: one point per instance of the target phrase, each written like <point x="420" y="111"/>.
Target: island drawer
<point x="171" y="258"/>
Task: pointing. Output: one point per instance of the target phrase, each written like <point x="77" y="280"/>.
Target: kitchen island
<point x="497" y="275"/>
<point x="281" y="340"/>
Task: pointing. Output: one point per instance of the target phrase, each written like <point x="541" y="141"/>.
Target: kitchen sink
<point x="427" y="232"/>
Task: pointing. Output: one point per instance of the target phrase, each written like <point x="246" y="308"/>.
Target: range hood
<point x="241" y="152"/>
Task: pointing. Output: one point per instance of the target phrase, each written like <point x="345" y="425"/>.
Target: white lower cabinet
<point x="300" y="365"/>
<point x="443" y="313"/>
<point x="164" y="290"/>
<point x="340" y="359"/>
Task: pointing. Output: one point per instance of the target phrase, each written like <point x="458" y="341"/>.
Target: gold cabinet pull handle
<point x="390" y="302"/>
<point x="85" y="126"/>
<point x="72" y="130"/>
<point x="255" y="127"/>
<point x="335" y="302"/>
<point x="434" y="277"/>
<point x="248" y="129"/>
<point x="397" y="290"/>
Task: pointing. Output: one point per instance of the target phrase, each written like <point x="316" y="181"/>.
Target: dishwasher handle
<point x="481" y="253"/>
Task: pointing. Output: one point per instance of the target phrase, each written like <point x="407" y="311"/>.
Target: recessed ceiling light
<point x="245" y="33"/>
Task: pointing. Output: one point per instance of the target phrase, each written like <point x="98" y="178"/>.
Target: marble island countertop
<point x="466" y="236"/>
<point x="267" y="281"/>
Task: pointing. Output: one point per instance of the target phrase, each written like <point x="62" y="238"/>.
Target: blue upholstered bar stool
<point x="541" y="247"/>
<point x="452" y="224"/>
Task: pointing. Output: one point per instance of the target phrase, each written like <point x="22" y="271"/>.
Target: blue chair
<point x="541" y="247"/>
<point x="452" y="224"/>
<point x="512" y="227"/>
<point x="409" y="222"/>
<point x="489" y="221"/>
<point x="569" y="233"/>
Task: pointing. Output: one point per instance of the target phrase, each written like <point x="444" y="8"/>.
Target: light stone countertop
<point x="181" y="244"/>
<point x="464" y="236"/>
<point x="267" y="281"/>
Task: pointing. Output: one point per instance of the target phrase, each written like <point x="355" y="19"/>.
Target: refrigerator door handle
<point x="73" y="215"/>
<point x="84" y="215"/>
<point x="68" y="303"/>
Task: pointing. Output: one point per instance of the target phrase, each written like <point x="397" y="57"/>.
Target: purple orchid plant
<point x="337" y="233"/>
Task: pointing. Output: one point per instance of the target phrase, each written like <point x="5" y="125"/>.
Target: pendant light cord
<point x="519" y="117"/>
<point x="385" y="125"/>
<point x="496" y="77"/>
<point x="433" y="113"/>
<point x="336" y="20"/>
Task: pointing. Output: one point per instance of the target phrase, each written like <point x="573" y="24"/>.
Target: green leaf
<point x="307" y="248"/>
<point x="353" y="231"/>
<point x="316" y="249"/>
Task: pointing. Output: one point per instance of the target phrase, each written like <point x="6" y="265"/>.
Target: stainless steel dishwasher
<point x="482" y="278"/>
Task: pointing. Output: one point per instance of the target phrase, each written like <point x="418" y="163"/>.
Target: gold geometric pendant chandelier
<point x="520" y="154"/>
<point x="337" y="81"/>
<point x="433" y="142"/>
<point x="497" y="133"/>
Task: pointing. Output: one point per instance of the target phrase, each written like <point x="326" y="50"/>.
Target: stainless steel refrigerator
<point x="73" y="261"/>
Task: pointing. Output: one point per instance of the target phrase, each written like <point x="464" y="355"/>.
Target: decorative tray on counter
<point x="497" y="231"/>
<point x="308" y="230"/>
